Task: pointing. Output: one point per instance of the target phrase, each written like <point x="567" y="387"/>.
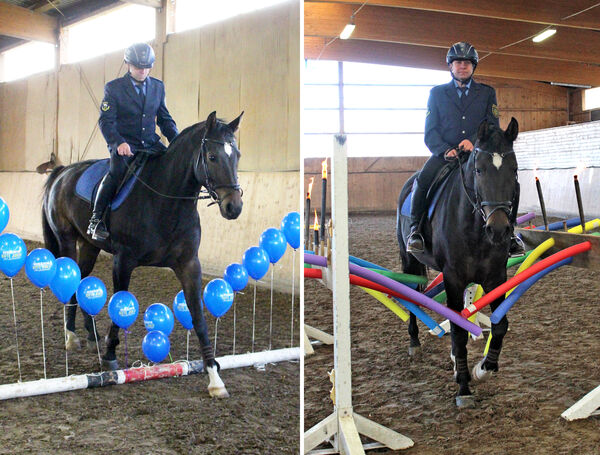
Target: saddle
<point x="89" y="180"/>
<point x="435" y="190"/>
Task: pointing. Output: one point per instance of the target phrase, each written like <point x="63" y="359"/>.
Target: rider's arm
<point x="433" y="125"/>
<point x="108" y="119"/>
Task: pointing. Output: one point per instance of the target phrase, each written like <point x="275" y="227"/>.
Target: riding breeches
<point x="429" y="171"/>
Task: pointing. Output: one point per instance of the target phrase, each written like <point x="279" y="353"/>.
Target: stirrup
<point x="517" y="247"/>
<point x="413" y="238"/>
<point x="97" y="229"/>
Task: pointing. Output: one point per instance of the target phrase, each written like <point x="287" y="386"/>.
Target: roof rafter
<point x="25" y="24"/>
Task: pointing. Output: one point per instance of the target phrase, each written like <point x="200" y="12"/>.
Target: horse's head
<point x="217" y="163"/>
<point x="495" y="177"/>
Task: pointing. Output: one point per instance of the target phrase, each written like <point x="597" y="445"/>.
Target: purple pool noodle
<point x="416" y="297"/>
<point x="313" y="259"/>
<point x="526" y="217"/>
<point x="503" y="308"/>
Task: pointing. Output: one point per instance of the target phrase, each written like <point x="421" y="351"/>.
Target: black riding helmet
<point x="462" y="51"/>
<point x="140" y="55"/>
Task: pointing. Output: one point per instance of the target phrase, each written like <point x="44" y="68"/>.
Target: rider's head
<point x="462" y="60"/>
<point x="140" y="59"/>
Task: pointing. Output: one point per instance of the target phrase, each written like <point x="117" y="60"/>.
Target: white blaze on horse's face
<point x="228" y="149"/>
<point x="497" y="160"/>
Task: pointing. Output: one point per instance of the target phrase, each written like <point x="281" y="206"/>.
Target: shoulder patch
<point x="427" y="113"/>
<point x="105" y="106"/>
<point x="495" y="111"/>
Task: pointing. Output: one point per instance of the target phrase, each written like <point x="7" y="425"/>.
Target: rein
<point x="478" y="205"/>
<point x="210" y="188"/>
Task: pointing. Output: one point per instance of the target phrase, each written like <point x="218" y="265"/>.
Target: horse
<point x="157" y="225"/>
<point x="468" y="238"/>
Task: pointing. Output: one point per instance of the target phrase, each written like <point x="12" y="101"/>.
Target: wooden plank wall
<point x="237" y="64"/>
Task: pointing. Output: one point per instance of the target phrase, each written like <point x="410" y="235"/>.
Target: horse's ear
<point x="512" y="130"/>
<point x="484" y="130"/>
<point x="235" y="124"/>
<point x="211" y="121"/>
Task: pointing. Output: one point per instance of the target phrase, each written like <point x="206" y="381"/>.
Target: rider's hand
<point x="450" y="154"/>
<point x="466" y="145"/>
<point x="124" y="149"/>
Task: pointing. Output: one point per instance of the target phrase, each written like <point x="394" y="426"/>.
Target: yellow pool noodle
<point x="389" y="303"/>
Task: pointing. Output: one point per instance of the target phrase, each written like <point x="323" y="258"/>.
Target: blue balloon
<point x="40" y="267"/>
<point x="123" y="308"/>
<point x="182" y="312"/>
<point x="156" y="346"/>
<point x="290" y="226"/>
<point x="272" y="241"/>
<point x="237" y="276"/>
<point x="159" y="316"/>
<point x="4" y="214"/>
<point x="91" y="295"/>
<point x="66" y="279"/>
<point x="13" y="253"/>
<point x="256" y="261"/>
<point x="218" y="297"/>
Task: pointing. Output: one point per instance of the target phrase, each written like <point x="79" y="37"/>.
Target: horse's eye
<point x="477" y="171"/>
<point x="212" y="157"/>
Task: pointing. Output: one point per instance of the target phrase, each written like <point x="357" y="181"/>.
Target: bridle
<point x="478" y="205"/>
<point x="210" y="187"/>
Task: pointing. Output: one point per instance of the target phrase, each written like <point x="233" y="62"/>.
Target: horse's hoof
<point x="92" y="346"/>
<point x="110" y="365"/>
<point x="414" y="351"/>
<point x="218" y="392"/>
<point x="465" y="401"/>
<point x="72" y="343"/>
<point x="480" y="374"/>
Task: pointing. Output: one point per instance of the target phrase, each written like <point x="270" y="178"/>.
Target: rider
<point x="454" y="112"/>
<point x="132" y="107"/>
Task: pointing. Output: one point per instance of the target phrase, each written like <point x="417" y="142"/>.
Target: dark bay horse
<point x="468" y="239"/>
<point x="157" y="225"/>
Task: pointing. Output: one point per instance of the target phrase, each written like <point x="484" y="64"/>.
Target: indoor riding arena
<point x="549" y="358"/>
<point x="231" y="65"/>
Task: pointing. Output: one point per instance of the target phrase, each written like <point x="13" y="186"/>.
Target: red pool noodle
<point x="518" y="279"/>
<point x="313" y="273"/>
<point x="437" y="280"/>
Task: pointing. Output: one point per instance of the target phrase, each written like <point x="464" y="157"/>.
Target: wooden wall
<point x="234" y="65"/>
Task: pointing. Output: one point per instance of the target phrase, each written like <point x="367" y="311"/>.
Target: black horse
<point x="468" y="239"/>
<point x="157" y="225"/>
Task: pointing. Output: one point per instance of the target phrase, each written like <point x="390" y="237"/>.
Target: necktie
<point x="140" y="90"/>
<point x="463" y="97"/>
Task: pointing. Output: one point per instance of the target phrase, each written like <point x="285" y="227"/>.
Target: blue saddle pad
<point x="87" y="185"/>
<point x="405" y="210"/>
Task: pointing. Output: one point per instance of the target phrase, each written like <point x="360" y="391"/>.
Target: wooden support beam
<point x="441" y="29"/>
<point x="152" y="3"/>
<point x="21" y="23"/>
<point x="525" y="68"/>
<point x="548" y="12"/>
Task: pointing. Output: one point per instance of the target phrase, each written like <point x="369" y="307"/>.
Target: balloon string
<point x="12" y="293"/>
<point x="187" y="348"/>
<point x="65" y="330"/>
<point x="97" y="345"/>
<point x="170" y="358"/>
<point x="43" y="337"/>
<point x="253" y="315"/>
<point x="233" y="353"/>
<point x="293" y="282"/>
<point x="271" y="311"/>
<point x="126" y="356"/>
<point x="216" y="328"/>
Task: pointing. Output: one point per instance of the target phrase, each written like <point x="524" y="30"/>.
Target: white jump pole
<point x="181" y="368"/>
<point x="344" y="425"/>
<point x="588" y="406"/>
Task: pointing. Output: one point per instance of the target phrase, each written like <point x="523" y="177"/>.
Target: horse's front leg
<point x="489" y="364"/>
<point x="122" y="268"/>
<point x="190" y="276"/>
<point x="464" y="397"/>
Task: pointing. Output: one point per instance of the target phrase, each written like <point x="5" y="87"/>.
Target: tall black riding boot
<point x="517" y="247"/>
<point x="415" y="242"/>
<point x="97" y="228"/>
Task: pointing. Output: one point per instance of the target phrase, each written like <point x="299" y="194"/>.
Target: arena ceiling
<point x="40" y="20"/>
<point x="417" y="33"/>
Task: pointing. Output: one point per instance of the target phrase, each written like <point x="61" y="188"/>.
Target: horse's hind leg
<point x="460" y="336"/>
<point x="190" y="276"/>
<point x="486" y="367"/>
<point x="88" y="254"/>
<point x="122" y="269"/>
<point x="412" y="266"/>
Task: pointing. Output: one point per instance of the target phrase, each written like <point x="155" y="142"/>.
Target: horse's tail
<point x="50" y="239"/>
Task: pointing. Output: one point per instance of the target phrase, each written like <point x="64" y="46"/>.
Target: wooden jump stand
<point x="343" y="427"/>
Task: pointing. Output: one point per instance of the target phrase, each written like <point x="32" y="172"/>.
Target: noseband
<point x="478" y="205"/>
<point x="210" y="187"/>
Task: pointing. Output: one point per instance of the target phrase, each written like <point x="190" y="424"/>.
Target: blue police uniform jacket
<point x="447" y="122"/>
<point x="123" y="117"/>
